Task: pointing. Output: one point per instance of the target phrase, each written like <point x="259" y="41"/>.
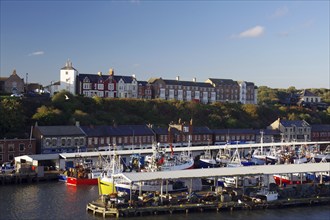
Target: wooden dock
<point x="18" y="178"/>
<point x="98" y="207"/>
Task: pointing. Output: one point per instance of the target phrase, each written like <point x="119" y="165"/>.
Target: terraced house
<point x="120" y="86"/>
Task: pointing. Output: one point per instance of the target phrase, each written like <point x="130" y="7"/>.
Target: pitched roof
<point x="297" y="123"/>
<point x="96" y="77"/>
<point x="143" y="83"/>
<point x="223" y="81"/>
<point x="321" y="127"/>
<point x="307" y="93"/>
<point x="120" y="130"/>
<point x="234" y="131"/>
<point x="160" y="130"/>
<point x="180" y="82"/>
<point x="187" y="83"/>
<point x="65" y="130"/>
<point x="201" y="130"/>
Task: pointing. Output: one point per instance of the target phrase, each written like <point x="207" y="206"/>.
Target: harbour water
<point x="56" y="200"/>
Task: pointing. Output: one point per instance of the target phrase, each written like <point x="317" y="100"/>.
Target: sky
<point x="277" y="44"/>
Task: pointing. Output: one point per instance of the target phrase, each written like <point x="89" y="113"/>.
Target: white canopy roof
<point x="224" y="171"/>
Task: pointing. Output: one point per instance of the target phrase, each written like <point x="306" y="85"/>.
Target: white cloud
<point x="280" y="12"/>
<point x="256" y="31"/>
<point x="37" y="53"/>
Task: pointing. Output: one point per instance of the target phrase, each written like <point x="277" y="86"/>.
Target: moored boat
<point x="83" y="176"/>
<point x="290" y="179"/>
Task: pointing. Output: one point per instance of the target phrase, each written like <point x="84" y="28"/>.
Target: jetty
<point x="217" y="198"/>
<point x="29" y="177"/>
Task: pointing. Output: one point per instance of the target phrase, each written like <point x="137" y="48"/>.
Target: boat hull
<point x="62" y="177"/>
<point x="106" y="186"/>
<point x="287" y="181"/>
<point x="81" y="181"/>
<point x="206" y="163"/>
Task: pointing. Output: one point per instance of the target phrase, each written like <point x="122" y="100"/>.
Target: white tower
<point x="68" y="76"/>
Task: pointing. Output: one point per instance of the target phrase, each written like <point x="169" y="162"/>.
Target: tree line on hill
<point x="19" y="114"/>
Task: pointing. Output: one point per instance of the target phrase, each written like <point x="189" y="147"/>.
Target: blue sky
<point x="271" y="43"/>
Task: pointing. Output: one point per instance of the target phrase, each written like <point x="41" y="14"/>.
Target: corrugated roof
<point x="224" y="171"/>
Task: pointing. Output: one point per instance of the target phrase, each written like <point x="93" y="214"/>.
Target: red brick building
<point x="11" y="148"/>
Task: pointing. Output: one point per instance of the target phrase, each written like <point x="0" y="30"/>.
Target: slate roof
<point x="297" y="123"/>
<point x="308" y="93"/>
<point x="96" y="77"/>
<point x="180" y="82"/>
<point x="120" y="130"/>
<point x="321" y="127"/>
<point x="160" y="130"/>
<point x="234" y="131"/>
<point x="65" y="130"/>
<point x="187" y="83"/>
<point x="223" y="81"/>
<point x="143" y="83"/>
<point x="201" y="130"/>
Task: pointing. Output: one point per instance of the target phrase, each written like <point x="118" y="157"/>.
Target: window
<point x="1" y="157"/>
<point x="10" y="157"/>
<point x="21" y="147"/>
<point x="68" y="142"/>
<point x="1" y="148"/>
<point x="100" y="86"/>
<point x="63" y="141"/>
<point x="81" y="141"/>
<point x="47" y="142"/>
<point x="54" y="142"/>
<point x="11" y="148"/>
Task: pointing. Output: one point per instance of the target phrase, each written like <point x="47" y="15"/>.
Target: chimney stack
<point x="178" y="78"/>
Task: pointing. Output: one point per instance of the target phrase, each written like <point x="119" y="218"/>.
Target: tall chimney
<point x="178" y="78"/>
<point x="194" y="79"/>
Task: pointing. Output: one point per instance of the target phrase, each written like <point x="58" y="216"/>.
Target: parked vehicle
<point x="8" y="168"/>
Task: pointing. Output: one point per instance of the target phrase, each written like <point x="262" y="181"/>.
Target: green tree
<point x="12" y="120"/>
<point x="49" y="116"/>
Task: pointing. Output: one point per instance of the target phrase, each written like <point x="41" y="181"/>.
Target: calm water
<point x="56" y="200"/>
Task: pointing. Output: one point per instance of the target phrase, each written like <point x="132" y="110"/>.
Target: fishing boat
<point x="266" y="194"/>
<point x="206" y="160"/>
<point x="62" y="177"/>
<point x="106" y="182"/>
<point x="223" y="156"/>
<point x="237" y="161"/>
<point x="325" y="155"/>
<point x="160" y="161"/>
<point x="295" y="178"/>
<point x="83" y="176"/>
<point x="151" y="186"/>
